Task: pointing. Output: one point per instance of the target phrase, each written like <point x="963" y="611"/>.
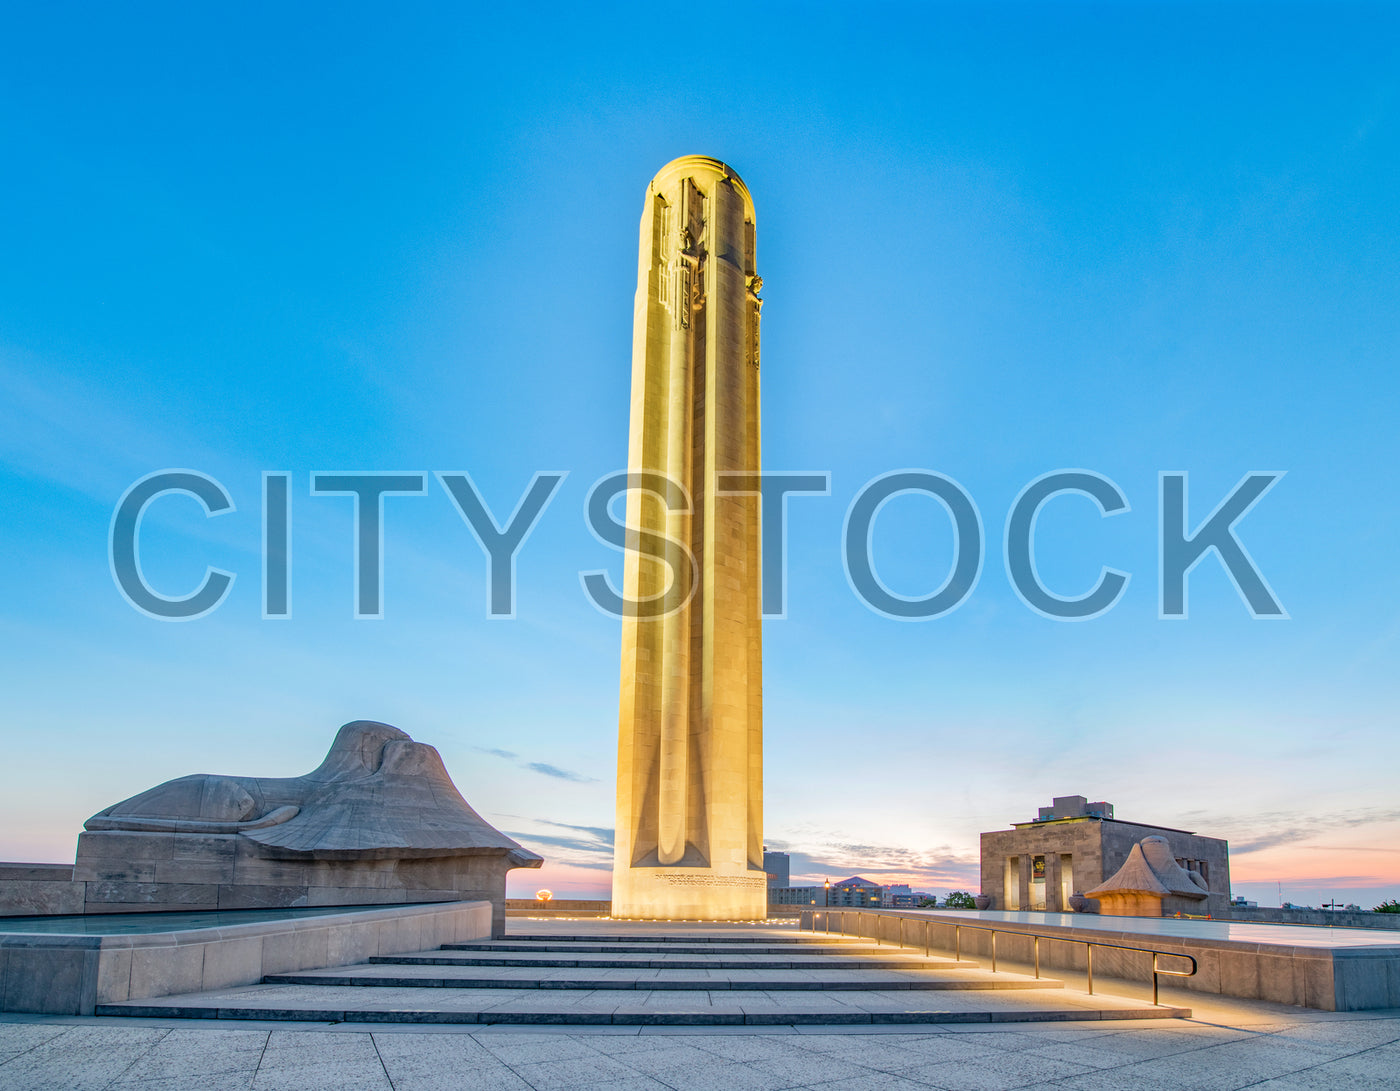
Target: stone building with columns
<point x="1074" y="846"/>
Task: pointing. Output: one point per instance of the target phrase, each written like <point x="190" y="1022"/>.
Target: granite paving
<point x="1234" y="1047"/>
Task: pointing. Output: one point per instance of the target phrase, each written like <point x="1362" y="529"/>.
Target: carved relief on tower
<point x="687" y="279"/>
<point x="662" y="226"/>
<point x="694" y="257"/>
<point x="681" y="253"/>
<point x="754" y="285"/>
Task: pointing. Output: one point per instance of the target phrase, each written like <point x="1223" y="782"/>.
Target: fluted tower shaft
<point x="690" y="751"/>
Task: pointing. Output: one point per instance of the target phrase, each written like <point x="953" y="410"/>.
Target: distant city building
<point x="797" y="895"/>
<point x="856" y="891"/>
<point x="849" y="893"/>
<point x="899" y="896"/>
<point x="1074" y="846"/>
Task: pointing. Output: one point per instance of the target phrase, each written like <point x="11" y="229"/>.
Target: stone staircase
<point x="631" y="974"/>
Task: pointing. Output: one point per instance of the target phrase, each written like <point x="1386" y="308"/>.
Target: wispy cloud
<point x="560" y="774"/>
<point x="937" y="868"/>
<point x="1270" y="830"/>
<point x="589" y="847"/>
<point x="541" y="767"/>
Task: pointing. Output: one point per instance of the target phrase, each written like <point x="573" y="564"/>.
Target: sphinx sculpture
<point x="379" y="821"/>
<point x="1150" y="884"/>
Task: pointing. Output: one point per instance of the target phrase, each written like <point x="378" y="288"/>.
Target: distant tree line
<point x="957" y="899"/>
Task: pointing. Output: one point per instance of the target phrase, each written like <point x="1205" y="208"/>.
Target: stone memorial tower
<point x="690" y="750"/>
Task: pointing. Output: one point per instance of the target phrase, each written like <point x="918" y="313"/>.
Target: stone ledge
<point x="1329" y="970"/>
<point x="72" y="974"/>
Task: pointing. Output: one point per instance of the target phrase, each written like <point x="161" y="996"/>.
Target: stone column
<point x="690" y="753"/>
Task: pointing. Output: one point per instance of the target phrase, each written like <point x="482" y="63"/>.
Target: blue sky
<point x="996" y="241"/>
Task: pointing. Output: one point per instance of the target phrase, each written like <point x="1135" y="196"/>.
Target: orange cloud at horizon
<point x="1316" y="869"/>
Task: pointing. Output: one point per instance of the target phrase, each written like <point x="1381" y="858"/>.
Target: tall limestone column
<point x="690" y="750"/>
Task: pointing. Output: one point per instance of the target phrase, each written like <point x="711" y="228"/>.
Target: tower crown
<point x="689" y="166"/>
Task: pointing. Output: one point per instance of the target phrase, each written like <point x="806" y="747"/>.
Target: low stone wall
<point x="560" y="914"/>
<point x="229" y="876"/>
<point x="39" y="890"/>
<point x="557" y="907"/>
<point x="570" y="904"/>
<point x="69" y="975"/>
<point x="1340" y="978"/>
<point x="1319" y="917"/>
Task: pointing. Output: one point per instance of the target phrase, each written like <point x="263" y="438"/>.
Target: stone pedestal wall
<point x="69" y="975"/>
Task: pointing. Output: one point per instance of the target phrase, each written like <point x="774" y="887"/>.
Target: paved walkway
<point x="1265" y="1050"/>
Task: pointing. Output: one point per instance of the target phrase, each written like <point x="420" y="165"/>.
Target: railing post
<point x="1089" y="946"/>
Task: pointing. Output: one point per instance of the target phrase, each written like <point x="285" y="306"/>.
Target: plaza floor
<point x="1277" y="1051"/>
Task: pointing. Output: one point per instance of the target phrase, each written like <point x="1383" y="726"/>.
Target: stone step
<point x="673" y="949"/>
<point x="695" y="937"/>
<point x="676" y="962"/>
<point x="656" y="980"/>
<point x="736" y="1008"/>
<point x="645" y="978"/>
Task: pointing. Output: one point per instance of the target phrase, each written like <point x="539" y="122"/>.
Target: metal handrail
<point x="1089" y="945"/>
